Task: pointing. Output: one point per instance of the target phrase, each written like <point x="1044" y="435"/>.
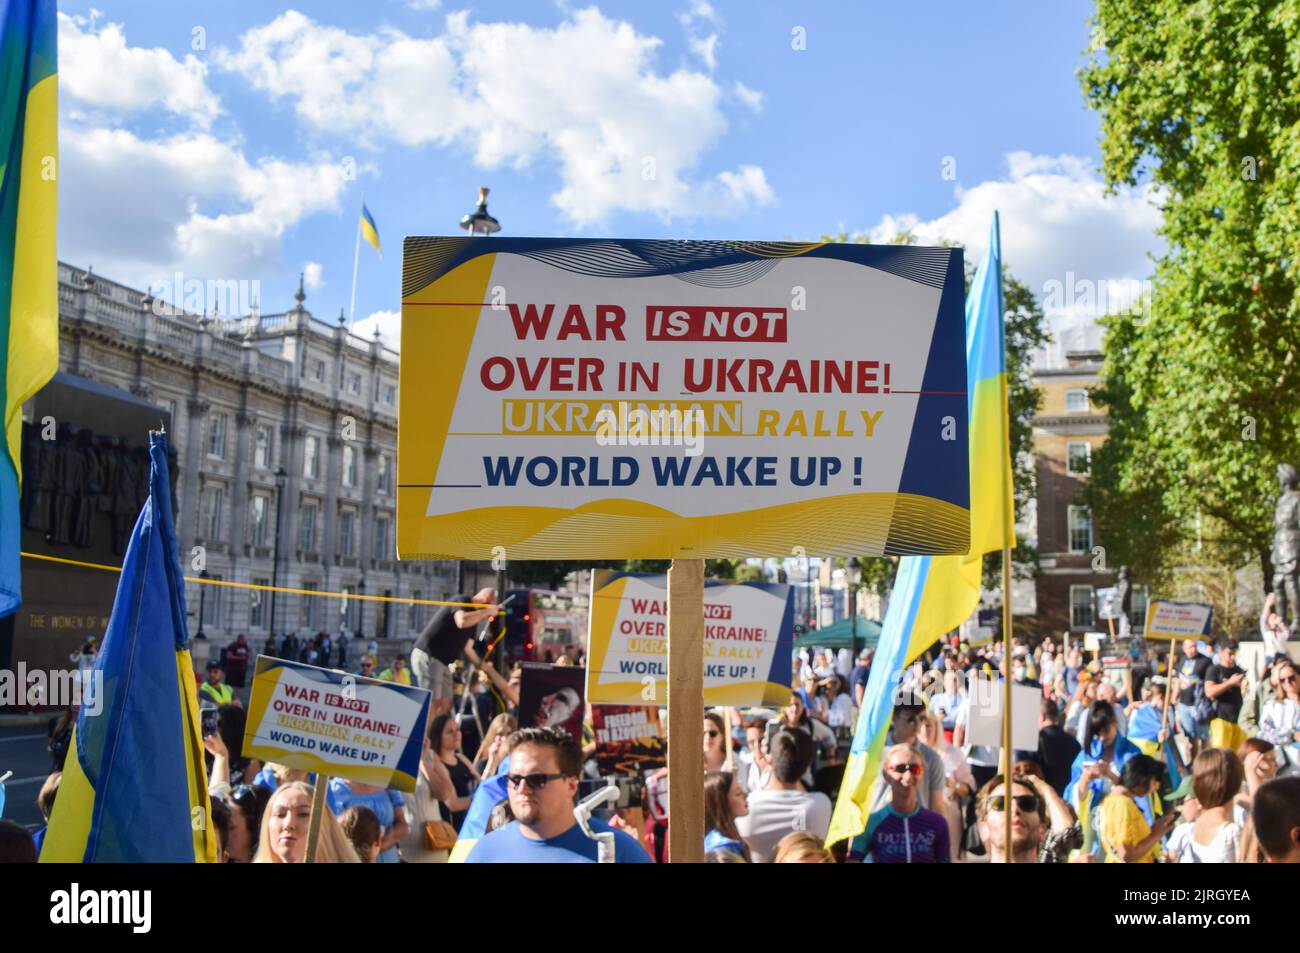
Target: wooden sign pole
<point x="685" y="711"/>
<point x="1008" y="753"/>
<point x="317" y="806"/>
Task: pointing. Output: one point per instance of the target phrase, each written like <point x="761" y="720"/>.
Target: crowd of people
<point x="1184" y="758"/>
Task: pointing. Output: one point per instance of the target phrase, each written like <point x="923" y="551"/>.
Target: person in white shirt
<point x="1214" y="837"/>
<point x="839" y="710"/>
<point x="1273" y="629"/>
<point x="1279" y="721"/>
<point x="781" y="807"/>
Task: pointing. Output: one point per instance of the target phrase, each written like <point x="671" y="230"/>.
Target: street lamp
<point x="203" y="594"/>
<point x="281" y="478"/>
<point x="853" y="575"/>
<point x="478" y="222"/>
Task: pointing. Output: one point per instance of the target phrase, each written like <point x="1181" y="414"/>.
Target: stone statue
<point x="1286" y="545"/>
<point x="1125" y="593"/>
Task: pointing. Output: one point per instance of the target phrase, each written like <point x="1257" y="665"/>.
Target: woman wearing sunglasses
<point x="1280" y="720"/>
<point x="715" y="742"/>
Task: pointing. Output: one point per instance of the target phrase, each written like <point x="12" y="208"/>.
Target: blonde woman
<point x="285" y="824"/>
<point x="496" y="745"/>
<point x="960" y="782"/>
<point x="801" y="847"/>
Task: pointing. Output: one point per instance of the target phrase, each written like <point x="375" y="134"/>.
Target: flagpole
<point x="1006" y="699"/>
<point x="356" y="257"/>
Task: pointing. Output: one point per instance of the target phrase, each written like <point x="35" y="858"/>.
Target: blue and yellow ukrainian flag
<point x="368" y="230"/>
<point x="933" y="595"/>
<point x="29" y="313"/>
<point x="134" y="787"/>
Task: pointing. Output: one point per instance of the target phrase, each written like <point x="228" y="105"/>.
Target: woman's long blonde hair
<point x="333" y="847"/>
<point x="502" y="724"/>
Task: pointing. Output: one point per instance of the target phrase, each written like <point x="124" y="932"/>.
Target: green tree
<point x="1200" y="100"/>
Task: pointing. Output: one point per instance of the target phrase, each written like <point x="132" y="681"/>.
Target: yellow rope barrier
<point x="250" y="585"/>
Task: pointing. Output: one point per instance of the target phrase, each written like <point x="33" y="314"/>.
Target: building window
<point x="258" y="603"/>
<point x="257" y="514"/>
<point x="1081" y="607"/>
<point x="212" y="604"/>
<point x="169" y="408"/>
<point x="354" y="382"/>
<point x="349" y="609"/>
<point x="217" y="436"/>
<point x="390" y="394"/>
<point x="262" y="447"/>
<point x="382" y="550"/>
<point x="1080" y="529"/>
<point x="385" y="476"/>
<point x="1076" y="401"/>
<point x="317" y="369"/>
<point x="349" y="466"/>
<point x="213" y="505"/>
<point x="311" y="457"/>
<point x="1137" y="611"/>
<point x="307" y="607"/>
<point x="1078" y="458"/>
<point x="417" y="611"/>
<point x="347" y="529"/>
<point x="307" y="527"/>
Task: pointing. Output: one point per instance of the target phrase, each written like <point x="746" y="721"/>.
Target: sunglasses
<point x="534" y="781"/>
<point x="1028" y="803"/>
<point x="1289" y="680"/>
<point x="712" y="733"/>
<point x="902" y="769"/>
<point x="242" y="794"/>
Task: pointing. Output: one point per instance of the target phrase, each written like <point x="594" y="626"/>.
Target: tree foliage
<point x="1201" y="100"/>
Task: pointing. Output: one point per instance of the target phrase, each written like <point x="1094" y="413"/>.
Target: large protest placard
<point x="630" y="739"/>
<point x="748" y="639"/>
<point x="335" y="724"/>
<point x="550" y="696"/>
<point x="613" y="399"/>
<point x="1178" y="620"/>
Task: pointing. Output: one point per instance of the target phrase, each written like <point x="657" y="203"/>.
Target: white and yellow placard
<point x="616" y="399"/>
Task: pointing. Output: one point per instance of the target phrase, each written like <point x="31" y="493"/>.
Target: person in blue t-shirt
<point x="545" y="764"/>
<point x="388" y="806"/>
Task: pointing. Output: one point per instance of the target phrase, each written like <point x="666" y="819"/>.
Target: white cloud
<point x="584" y="97"/>
<point x="311" y="275"/>
<point x="389" y="324"/>
<point x="750" y="97"/>
<point x="98" y="70"/>
<point x="138" y="209"/>
<point x="705" y="47"/>
<point x="1059" y="230"/>
<point x="424" y="4"/>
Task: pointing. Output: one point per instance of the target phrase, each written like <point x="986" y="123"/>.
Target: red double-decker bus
<point x="542" y="625"/>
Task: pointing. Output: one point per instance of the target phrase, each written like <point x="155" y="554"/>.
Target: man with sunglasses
<point x="1028" y="812"/>
<point x="903" y="832"/>
<point x="541" y="784"/>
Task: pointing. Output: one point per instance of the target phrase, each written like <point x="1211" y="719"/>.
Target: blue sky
<point x="237" y="141"/>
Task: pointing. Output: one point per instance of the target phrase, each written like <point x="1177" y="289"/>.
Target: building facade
<point x="285" y="426"/>
<point x="1072" y="560"/>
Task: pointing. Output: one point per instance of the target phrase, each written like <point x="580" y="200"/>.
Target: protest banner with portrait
<point x="748" y="640"/>
<point x="630" y="739"/>
<point x="334" y="724"/>
<point x="614" y="399"/>
<point x="552" y="696"/>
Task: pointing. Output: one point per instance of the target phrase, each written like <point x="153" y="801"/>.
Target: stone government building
<point x="247" y="396"/>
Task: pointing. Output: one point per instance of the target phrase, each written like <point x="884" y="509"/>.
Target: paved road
<point x="22" y="751"/>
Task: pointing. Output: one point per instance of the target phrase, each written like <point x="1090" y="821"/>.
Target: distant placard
<point x="986" y="715"/>
<point x="1167" y="619"/>
<point x="323" y="720"/>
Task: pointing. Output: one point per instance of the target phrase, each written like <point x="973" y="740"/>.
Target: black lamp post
<point x="280" y="479"/>
<point x="203" y="595"/>
<point x="853" y="575"/>
<point x="479" y="222"/>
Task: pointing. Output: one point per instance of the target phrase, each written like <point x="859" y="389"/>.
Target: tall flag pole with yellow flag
<point x="365" y="229"/>
<point x="933" y="595"/>
<point x="134" y="786"/>
<point x="29" y="315"/>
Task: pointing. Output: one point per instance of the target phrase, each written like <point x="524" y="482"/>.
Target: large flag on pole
<point x="29" y="316"/>
<point x="933" y="595"/>
<point x="369" y="231"/>
<point x="133" y="786"/>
